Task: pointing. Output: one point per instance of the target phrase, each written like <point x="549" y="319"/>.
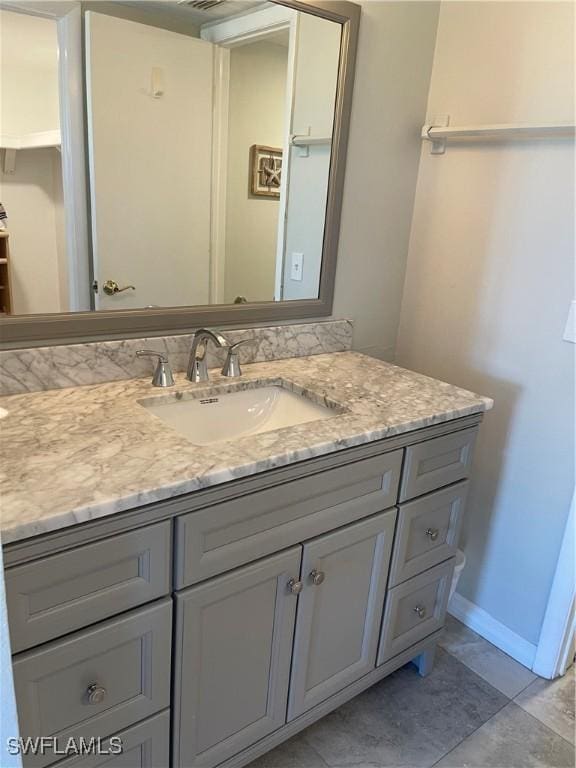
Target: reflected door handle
<point x="111" y="287"/>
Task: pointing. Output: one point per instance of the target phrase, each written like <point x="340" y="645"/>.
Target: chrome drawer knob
<point x="95" y="693"/>
<point x="420" y="610"/>
<point x="295" y="586"/>
<point x="432" y="533"/>
<point x="317" y="577"/>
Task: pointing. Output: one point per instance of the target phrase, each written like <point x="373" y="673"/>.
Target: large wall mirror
<point x="169" y="163"/>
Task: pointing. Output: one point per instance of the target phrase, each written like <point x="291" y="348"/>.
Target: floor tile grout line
<point x="481" y="677"/>
<point x="545" y="726"/>
<point x="475" y="729"/>
<point x="528" y="686"/>
<point x="319" y="755"/>
<point x="511" y="701"/>
<point x="512" y="698"/>
<point x="518" y="694"/>
<point x="302" y="735"/>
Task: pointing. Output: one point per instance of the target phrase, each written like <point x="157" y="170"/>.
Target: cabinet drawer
<point x="437" y="462"/>
<point x="414" y="610"/>
<point x="51" y="597"/>
<point x="227" y="535"/>
<point x="124" y="663"/>
<point x="427" y="532"/>
<point x="146" y="745"/>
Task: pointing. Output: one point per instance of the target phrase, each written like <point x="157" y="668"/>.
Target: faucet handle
<point x="163" y="373"/>
<point x="232" y="347"/>
<point x="232" y="365"/>
<point x="204" y="335"/>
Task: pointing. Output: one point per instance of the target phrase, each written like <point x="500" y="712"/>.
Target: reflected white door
<point x="314" y="81"/>
<point x="149" y="97"/>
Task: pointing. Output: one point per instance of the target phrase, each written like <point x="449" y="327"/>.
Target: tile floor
<point x="477" y="709"/>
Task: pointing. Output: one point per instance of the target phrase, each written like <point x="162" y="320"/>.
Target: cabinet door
<point x="233" y="650"/>
<point x="340" y="609"/>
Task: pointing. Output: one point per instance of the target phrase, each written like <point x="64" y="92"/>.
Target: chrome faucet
<point x="197" y="364"/>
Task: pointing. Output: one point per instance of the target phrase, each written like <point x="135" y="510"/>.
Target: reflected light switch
<point x="157" y="82"/>
<point x="296" y="266"/>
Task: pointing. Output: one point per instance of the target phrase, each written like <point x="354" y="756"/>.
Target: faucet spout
<point x="197" y="363"/>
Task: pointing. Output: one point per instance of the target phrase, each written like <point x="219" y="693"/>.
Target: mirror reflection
<point x="208" y="145"/>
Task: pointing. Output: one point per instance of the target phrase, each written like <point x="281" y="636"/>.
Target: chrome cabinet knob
<point x="317" y="577"/>
<point x="295" y="586"/>
<point x="432" y="533"/>
<point x="95" y="693"/>
<point x="420" y="610"/>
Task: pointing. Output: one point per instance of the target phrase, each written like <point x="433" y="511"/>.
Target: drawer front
<point x="414" y="610"/>
<point x="227" y="535"/>
<point x="98" y="681"/>
<point x="51" y="597"/>
<point x="146" y="745"/>
<point x="427" y="532"/>
<point x="438" y="462"/>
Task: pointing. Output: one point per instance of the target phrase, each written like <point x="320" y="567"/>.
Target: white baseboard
<point x="491" y="629"/>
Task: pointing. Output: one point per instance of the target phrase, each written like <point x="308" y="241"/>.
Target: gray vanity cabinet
<point x="234" y="638"/>
<point x="225" y="621"/>
<point x="233" y="652"/>
<point x="340" y="609"/>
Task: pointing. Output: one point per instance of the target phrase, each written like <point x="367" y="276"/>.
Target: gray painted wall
<point x="489" y="282"/>
<point x="393" y="69"/>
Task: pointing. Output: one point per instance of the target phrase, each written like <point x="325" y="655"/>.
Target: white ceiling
<point x="185" y="10"/>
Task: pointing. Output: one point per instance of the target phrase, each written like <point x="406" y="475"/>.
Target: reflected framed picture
<point x="265" y="171"/>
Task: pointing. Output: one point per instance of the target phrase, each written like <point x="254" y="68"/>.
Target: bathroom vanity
<point x="204" y="570"/>
<point x="206" y="602"/>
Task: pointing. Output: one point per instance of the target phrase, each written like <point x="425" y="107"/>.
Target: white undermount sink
<point x="228" y="416"/>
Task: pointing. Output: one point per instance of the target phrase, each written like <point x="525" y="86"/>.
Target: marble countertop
<point x="76" y="454"/>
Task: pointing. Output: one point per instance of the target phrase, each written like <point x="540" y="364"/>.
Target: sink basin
<point x="231" y="415"/>
<point x="3" y="413"/>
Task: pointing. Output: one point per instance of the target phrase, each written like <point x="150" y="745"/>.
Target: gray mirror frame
<point x="34" y="330"/>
